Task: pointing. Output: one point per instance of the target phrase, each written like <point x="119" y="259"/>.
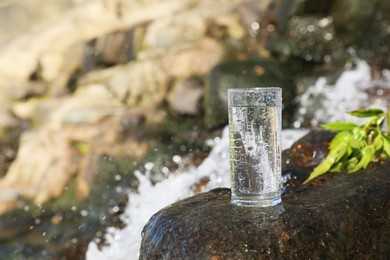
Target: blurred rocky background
<point x="90" y="90"/>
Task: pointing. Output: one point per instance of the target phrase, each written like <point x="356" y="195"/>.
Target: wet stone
<point x="337" y="216"/>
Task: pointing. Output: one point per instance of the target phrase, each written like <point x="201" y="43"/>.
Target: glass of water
<point x="255" y="118"/>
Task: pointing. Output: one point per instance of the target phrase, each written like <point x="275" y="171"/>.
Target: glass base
<point x="255" y="201"/>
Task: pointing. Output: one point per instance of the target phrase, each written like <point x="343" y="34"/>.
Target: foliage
<point x="356" y="146"/>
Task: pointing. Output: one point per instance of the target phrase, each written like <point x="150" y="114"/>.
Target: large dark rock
<point x="337" y="216"/>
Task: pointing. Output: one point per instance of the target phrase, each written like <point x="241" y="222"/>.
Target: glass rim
<point x="256" y="89"/>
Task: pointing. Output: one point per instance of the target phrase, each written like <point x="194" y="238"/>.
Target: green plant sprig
<point x="356" y="146"/>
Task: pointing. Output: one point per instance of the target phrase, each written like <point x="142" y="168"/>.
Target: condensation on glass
<point x="255" y="146"/>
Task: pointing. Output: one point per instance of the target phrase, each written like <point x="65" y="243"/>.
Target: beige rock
<point x="7" y="119"/>
<point x="11" y="90"/>
<point x="174" y="30"/>
<point x="87" y="20"/>
<point x="145" y="82"/>
<point x="193" y="59"/>
<point x="233" y="25"/>
<point x="41" y="177"/>
<point x="8" y="199"/>
<point x="53" y="63"/>
<point x="185" y="97"/>
<point x="137" y="83"/>
<point x="20" y="16"/>
<point x="50" y="156"/>
<point x="25" y="109"/>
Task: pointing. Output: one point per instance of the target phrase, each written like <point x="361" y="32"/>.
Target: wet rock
<point x="336" y="216"/>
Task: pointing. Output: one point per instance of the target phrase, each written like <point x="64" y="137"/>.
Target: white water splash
<point x="324" y="102"/>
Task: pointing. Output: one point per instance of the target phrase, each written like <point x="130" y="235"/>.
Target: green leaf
<point x="358" y="139"/>
<point x="386" y="144"/>
<point x="319" y="170"/>
<point x="339" y="126"/>
<point x="339" y="146"/>
<point x="339" y="149"/>
<point x="355" y="147"/>
<point x="367" y="157"/>
<point x="352" y="163"/>
<point x="378" y="143"/>
<point x="339" y="139"/>
<point x="366" y="113"/>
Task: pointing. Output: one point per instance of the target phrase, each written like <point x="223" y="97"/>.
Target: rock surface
<point x="338" y="216"/>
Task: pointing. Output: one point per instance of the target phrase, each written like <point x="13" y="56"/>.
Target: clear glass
<point x="255" y="118"/>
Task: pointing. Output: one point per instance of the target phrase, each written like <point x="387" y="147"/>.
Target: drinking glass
<point x="255" y="145"/>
